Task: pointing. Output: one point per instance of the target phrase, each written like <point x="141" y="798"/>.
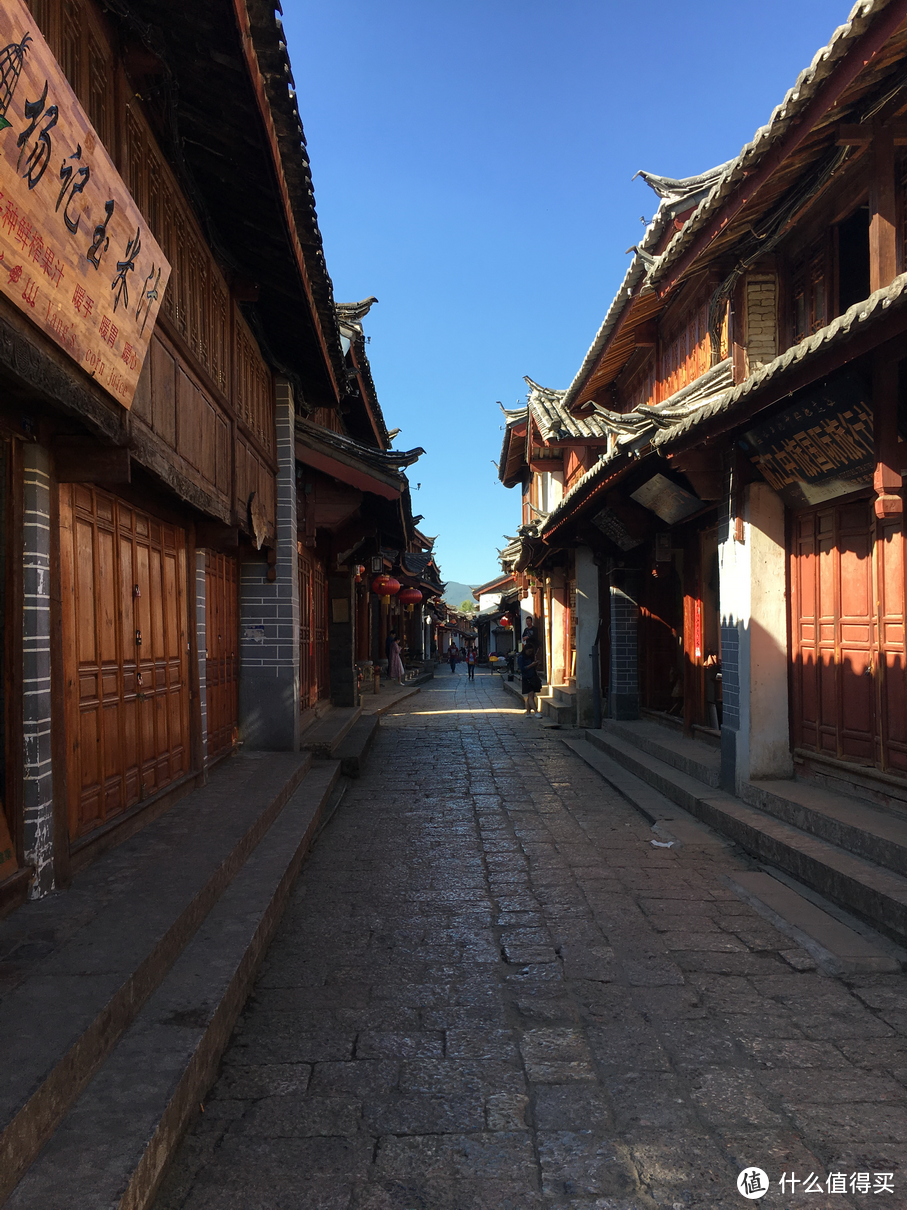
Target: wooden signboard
<point x="666" y="500"/>
<point x="819" y="448"/>
<point x="76" y="255"/>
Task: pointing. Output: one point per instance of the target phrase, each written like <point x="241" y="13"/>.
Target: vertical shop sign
<point x="76" y="255"/>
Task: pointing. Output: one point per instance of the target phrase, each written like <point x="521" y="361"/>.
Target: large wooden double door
<point x="222" y="660"/>
<point x="124" y="616"/>
<point x="849" y="673"/>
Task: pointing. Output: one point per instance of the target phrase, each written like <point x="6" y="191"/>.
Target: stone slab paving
<point x="492" y="990"/>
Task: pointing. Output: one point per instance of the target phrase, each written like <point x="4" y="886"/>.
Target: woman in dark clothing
<point x="452" y="656"/>
<point x="531" y="681"/>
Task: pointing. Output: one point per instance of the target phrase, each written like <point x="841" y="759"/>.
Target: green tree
<point x="467" y="607"/>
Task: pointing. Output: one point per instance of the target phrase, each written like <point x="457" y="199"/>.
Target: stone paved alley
<point x="491" y="990"/>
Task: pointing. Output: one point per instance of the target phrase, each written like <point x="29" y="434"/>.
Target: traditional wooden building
<point x="738" y="542"/>
<point x="189" y="430"/>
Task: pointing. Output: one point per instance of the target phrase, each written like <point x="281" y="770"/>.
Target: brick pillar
<point x="269" y="614"/>
<point x="201" y="561"/>
<point x="38" y="787"/>
<point x="623" y="691"/>
<point x="587" y="623"/>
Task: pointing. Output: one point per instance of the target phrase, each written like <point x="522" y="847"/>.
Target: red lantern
<point x="505" y="622"/>
<point x="410" y="597"/>
<point x="386" y="587"/>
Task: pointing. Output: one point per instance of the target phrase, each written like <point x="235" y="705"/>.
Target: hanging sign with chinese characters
<point x="820" y="447"/>
<point x="76" y="255"/>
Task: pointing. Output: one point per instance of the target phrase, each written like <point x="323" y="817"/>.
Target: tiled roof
<point x="685" y="192"/>
<point x="644" y="425"/>
<point x="856" y="319"/>
<point x="743" y="165"/>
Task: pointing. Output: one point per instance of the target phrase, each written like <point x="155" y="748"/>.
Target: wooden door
<point x="123" y="578"/>
<point x="314" y="678"/>
<point x="835" y="632"/>
<point x="222" y="662"/>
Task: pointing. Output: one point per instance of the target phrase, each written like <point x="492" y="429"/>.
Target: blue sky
<point x="472" y="166"/>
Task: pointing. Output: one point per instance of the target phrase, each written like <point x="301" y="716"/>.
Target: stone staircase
<point x="845" y="848"/>
<point x="119" y="995"/>
<point x="559" y="704"/>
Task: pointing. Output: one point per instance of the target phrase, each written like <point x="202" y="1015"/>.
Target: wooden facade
<point x="143" y="523"/>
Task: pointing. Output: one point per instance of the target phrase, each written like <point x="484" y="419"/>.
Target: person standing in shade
<point x="531" y="682"/>
<point x="529" y="635"/>
<point x="395" y="662"/>
<point x="471" y="657"/>
<point x="452" y="657"/>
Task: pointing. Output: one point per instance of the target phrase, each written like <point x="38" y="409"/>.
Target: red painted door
<point x="849" y="695"/>
<point x="313" y="633"/>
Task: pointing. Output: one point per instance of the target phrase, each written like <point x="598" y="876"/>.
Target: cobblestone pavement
<point x="491" y="990"/>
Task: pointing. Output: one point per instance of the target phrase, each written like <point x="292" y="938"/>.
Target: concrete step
<point x="861" y="885"/>
<point x="698" y="760"/>
<point x="79" y="965"/>
<point x="149" y="1088"/>
<point x="326" y="734"/>
<point x="354" y="749"/>
<point x="557" y="711"/>
<point x="832" y="939"/>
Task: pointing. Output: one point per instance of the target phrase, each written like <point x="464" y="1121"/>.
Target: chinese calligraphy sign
<point x="76" y="255"/>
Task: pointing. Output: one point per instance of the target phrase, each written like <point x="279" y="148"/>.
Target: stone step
<point x="557" y="711"/>
<point x="326" y="734"/>
<point x="564" y="695"/>
<point x="857" y="883"/>
<point x="149" y="1088"/>
<point x="354" y="749"/>
<point x="698" y="760"/>
<point x="87" y="960"/>
<point x="851" y="823"/>
<point x="838" y="947"/>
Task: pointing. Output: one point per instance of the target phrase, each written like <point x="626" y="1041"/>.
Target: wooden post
<point x="883" y="264"/>
<point x="692" y="634"/>
<point x="886" y="480"/>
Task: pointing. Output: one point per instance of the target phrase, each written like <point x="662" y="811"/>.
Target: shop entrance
<point x="314" y="679"/>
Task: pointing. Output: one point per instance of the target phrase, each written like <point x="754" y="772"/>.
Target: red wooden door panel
<point x="313" y="633"/>
<point x="222" y="663"/>
<point x="124" y="628"/>
<point x="849" y="680"/>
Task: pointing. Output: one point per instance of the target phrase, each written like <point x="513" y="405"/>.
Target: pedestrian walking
<point x="529" y="635"/>
<point x="452" y="656"/>
<point x="471" y="657"/>
<point x="395" y="662"/>
<point x="531" y="682"/>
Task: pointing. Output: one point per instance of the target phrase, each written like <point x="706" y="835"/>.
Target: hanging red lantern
<point x="505" y="622"/>
<point x="410" y="597"/>
<point x="359" y="569"/>
<point x="386" y="587"/>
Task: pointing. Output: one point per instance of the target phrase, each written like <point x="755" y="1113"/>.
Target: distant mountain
<point x="455" y="594"/>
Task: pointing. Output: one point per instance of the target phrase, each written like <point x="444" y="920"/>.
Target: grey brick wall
<point x="38" y="788"/>
<point x="623" y="691"/>
<point x="269" y="614"/>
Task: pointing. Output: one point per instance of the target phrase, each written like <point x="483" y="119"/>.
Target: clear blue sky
<point x="472" y="166"/>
